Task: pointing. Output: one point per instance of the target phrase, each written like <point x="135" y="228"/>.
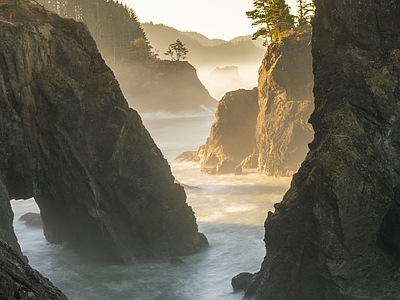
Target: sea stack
<point x="336" y="233"/>
<point x="70" y="141"/>
<point x="267" y="127"/>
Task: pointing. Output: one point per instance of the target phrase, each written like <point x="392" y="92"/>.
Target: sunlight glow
<point x="223" y="19"/>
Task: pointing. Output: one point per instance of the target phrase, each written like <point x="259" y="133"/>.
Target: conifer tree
<point x="177" y="50"/>
<point x="305" y="12"/>
<point x="114" y="26"/>
<point x="274" y="18"/>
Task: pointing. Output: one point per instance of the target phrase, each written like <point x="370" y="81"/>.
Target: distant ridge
<point x="202" y="39"/>
<point x="204" y="51"/>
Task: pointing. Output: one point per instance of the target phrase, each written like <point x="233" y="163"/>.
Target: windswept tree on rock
<point x="273" y="17"/>
<point x="177" y="50"/>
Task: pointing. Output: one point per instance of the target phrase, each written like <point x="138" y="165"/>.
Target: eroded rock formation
<point x="232" y="133"/>
<point x="268" y="130"/>
<point x="285" y="99"/>
<point x="336" y="233"/>
<point x="70" y="141"/>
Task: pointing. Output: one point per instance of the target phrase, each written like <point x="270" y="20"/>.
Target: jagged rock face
<point x="70" y="140"/>
<point x="335" y="235"/>
<point x="163" y="85"/>
<point x="19" y="281"/>
<point x="285" y="99"/>
<point x="271" y="135"/>
<point x="232" y="135"/>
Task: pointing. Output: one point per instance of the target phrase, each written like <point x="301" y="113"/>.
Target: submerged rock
<point x="70" y="141"/>
<point x="336" y="234"/>
<point x="176" y="261"/>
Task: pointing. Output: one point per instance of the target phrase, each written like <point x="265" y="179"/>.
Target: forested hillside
<point x="114" y="26"/>
<point x="206" y="52"/>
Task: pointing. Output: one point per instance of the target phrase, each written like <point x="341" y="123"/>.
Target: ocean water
<point x="230" y="211"/>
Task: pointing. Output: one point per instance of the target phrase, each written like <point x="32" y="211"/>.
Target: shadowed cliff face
<point x="335" y="235"/>
<point x="70" y="140"/>
<point x="19" y="281"/>
<point x="232" y="133"/>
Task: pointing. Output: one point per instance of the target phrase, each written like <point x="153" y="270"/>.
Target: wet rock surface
<point x="335" y="235"/>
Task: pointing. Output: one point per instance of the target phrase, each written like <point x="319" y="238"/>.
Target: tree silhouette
<point x="177" y="50"/>
<point x="305" y="12"/>
<point x="114" y="26"/>
<point x="274" y="18"/>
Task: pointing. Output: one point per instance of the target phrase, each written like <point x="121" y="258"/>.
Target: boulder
<point x="31" y="219"/>
<point x="242" y="281"/>
<point x="187" y="156"/>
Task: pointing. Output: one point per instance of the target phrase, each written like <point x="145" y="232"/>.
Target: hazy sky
<point x="223" y="19"/>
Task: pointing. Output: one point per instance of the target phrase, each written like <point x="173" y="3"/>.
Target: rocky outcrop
<point x="70" y="141"/>
<point x="163" y="85"/>
<point x="335" y="235"/>
<point x="271" y="134"/>
<point x="232" y="133"/>
<point x="31" y="219"/>
<point x="285" y="99"/>
<point x="19" y="281"/>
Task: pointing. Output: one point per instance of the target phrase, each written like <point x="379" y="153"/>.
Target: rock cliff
<point x="232" y="133"/>
<point x="271" y="134"/>
<point x="70" y="141"/>
<point x="19" y="281"/>
<point x="335" y="235"/>
<point x="162" y="85"/>
<point x="285" y="98"/>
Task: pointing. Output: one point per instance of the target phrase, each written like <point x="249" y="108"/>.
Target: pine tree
<point x="114" y="26"/>
<point x="274" y="18"/>
<point x="305" y="12"/>
<point x="177" y="51"/>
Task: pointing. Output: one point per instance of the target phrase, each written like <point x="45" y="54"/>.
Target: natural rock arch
<point x="70" y="141"/>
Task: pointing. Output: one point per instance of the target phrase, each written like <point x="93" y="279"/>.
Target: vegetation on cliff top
<point x="114" y="27"/>
<point x="275" y="21"/>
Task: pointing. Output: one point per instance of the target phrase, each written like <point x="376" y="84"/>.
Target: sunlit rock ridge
<point x="70" y="141"/>
<point x="335" y="235"/>
<point x="267" y="127"/>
